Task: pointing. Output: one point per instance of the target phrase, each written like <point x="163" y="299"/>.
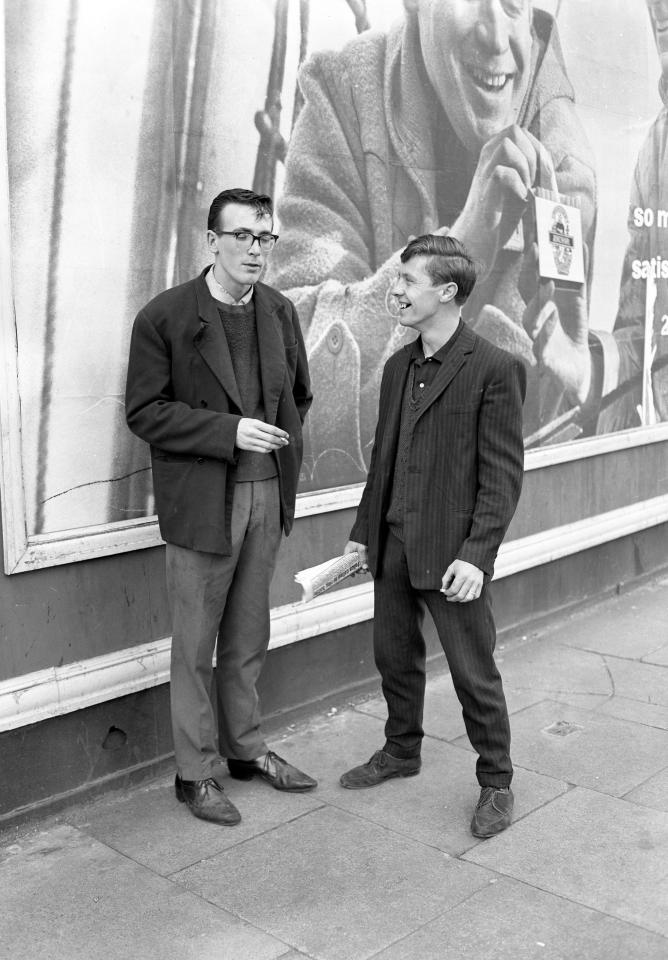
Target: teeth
<point x="496" y="81"/>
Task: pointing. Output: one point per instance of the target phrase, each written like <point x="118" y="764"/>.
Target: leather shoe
<point x="493" y="812"/>
<point x="206" y="800"/>
<point x="381" y="766"/>
<point x="275" y="770"/>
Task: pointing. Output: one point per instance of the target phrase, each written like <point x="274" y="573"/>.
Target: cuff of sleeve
<point x="604" y="345"/>
<point x="483" y="562"/>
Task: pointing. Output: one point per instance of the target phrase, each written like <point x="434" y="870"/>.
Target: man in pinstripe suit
<point x="443" y="484"/>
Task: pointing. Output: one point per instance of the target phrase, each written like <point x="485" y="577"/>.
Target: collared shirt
<point x="421" y="375"/>
<point x="423" y="370"/>
<point x="218" y="293"/>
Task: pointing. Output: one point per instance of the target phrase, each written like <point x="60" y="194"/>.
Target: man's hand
<point x="353" y="547"/>
<point x="510" y="164"/>
<point x="558" y="324"/>
<point x="260" y="437"/>
<point x="462" y="582"/>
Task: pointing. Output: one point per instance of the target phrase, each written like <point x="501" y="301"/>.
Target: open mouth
<point x="488" y="80"/>
<point x="402" y="305"/>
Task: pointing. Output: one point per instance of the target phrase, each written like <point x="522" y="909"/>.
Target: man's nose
<point x="492" y="26"/>
<point x="259" y="249"/>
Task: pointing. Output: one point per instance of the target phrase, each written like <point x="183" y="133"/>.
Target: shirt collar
<point x="417" y="352"/>
<point x="223" y="296"/>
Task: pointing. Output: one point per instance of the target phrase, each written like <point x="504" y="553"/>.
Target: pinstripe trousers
<point x="468" y="636"/>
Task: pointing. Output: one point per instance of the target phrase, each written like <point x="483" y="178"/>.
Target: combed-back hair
<point x="259" y="202"/>
<point x="448" y="261"/>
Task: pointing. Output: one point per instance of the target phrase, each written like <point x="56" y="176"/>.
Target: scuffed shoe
<point x="493" y="812"/>
<point x="206" y="799"/>
<point x="382" y="766"/>
<point x="275" y="771"/>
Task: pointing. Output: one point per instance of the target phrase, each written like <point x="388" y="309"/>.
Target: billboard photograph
<point x="535" y="135"/>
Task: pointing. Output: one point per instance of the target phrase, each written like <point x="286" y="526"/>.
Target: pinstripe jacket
<point x="465" y="464"/>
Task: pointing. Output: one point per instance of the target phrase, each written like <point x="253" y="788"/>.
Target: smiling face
<point x="238" y="265"/>
<point x="477" y="54"/>
<point x="418" y="300"/>
<point x="658" y="13"/>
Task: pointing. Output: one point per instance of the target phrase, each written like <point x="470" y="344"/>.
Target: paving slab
<point x="150" y="826"/>
<point x="548" y="669"/>
<point x="631" y="630"/>
<point x="509" y="920"/>
<point x="585" y="748"/>
<point x="659" y="656"/>
<point x="602" y="852"/>
<point x="67" y="897"/>
<point x="434" y="807"/>
<point x="334" y="886"/>
<point x="442" y="709"/>
<point x="652" y="793"/>
<point x="650" y="714"/>
<point x="639" y="681"/>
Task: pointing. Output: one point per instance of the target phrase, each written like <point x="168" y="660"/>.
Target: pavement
<point x="393" y="873"/>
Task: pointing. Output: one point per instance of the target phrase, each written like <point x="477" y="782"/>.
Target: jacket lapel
<point x="452" y="364"/>
<point x="392" y="424"/>
<point x="271" y="347"/>
<point x="210" y="341"/>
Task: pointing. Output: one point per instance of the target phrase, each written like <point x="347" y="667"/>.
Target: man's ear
<point x="212" y="241"/>
<point x="449" y="292"/>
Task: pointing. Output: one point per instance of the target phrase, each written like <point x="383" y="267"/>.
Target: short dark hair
<point x="448" y="262"/>
<point x="259" y="202"/>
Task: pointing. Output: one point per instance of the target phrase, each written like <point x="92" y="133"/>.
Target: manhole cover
<point x="562" y="728"/>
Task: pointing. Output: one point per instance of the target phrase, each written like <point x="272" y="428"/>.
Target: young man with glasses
<point x="218" y="385"/>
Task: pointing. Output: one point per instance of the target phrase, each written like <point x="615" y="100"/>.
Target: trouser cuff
<point x="401" y="753"/>
<point x="496" y="782"/>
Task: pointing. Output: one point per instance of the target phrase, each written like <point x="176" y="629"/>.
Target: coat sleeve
<point x="153" y="413"/>
<point x="326" y="257"/>
<point x="500" y="465"/>
<point x="360" y="529"/>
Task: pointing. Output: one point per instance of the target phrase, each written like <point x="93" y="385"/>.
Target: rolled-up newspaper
<point x="316" y="580"/>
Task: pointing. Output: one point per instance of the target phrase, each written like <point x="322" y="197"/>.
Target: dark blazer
<point x="182" y="398"/>
<point x="465" y="465"/>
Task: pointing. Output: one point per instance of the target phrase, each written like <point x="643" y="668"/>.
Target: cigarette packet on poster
<point x="559" y="233"/>
<point x="316" y="580"/>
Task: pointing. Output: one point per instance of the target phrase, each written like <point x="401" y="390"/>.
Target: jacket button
<point x="335" y="338"/>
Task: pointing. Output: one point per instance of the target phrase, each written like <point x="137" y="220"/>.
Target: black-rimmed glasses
<point x="244" y="238"/>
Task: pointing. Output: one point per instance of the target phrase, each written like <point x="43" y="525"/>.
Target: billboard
<point x="369" y="123"/>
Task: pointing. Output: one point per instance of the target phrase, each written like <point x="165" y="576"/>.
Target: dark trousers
<point x="468" y="637"/>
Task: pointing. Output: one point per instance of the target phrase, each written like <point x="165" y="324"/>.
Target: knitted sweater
<point x="362" y="174"/>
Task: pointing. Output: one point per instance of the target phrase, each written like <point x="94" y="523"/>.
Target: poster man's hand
<point x="510" y="164"/>
<point x="462" y="582"/>
<point x="557" y="322"/>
